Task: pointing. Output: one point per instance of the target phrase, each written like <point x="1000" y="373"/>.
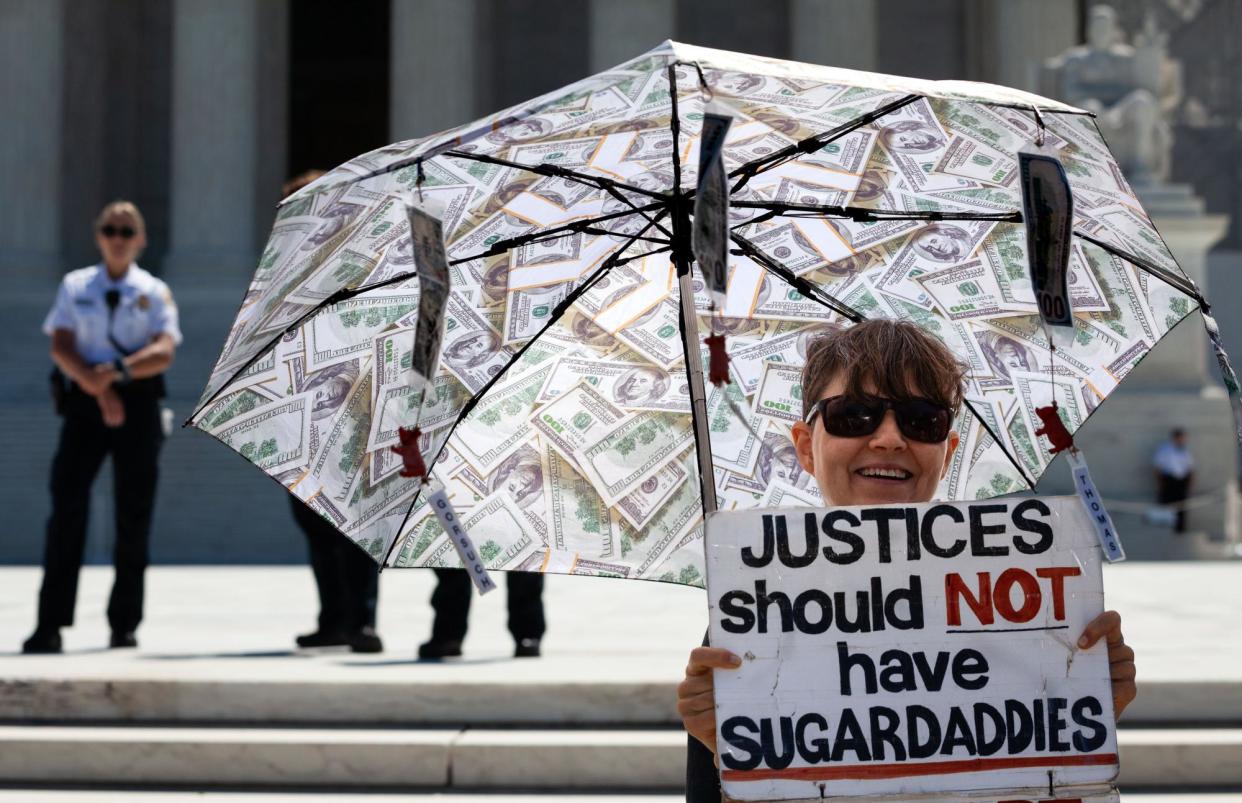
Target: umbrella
<point x="569" y="423"/>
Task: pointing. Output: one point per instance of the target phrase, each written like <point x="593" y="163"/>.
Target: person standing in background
<point x="1175" y="470"/>
<point x="114" y="332"/>
<point x="345" y="576"/>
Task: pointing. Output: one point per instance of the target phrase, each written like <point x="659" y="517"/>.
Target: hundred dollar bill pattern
<point x="558" y="417"/>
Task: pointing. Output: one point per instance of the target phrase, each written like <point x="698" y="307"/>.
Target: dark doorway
<point x="338" y="81"/>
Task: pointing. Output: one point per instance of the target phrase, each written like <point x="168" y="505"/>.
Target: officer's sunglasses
<point x="124" y="232"/>
<point x="921" y="420"/>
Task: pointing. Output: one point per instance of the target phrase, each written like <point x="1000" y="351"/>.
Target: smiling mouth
<point x="889" y="474"/>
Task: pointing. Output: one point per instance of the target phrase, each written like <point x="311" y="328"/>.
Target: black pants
<point x="1174" y="490"/>
<point x="451" y="603"/>
<point x="84" y="443"/>
<point x="347" y="578"/>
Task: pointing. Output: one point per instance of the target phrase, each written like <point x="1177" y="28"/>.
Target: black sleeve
<point x="702" y="780"/>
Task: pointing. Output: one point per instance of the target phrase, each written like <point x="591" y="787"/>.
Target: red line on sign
<point x="877" y="771"/>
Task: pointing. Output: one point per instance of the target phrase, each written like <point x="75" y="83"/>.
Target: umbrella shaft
<point x="698" y="399"/>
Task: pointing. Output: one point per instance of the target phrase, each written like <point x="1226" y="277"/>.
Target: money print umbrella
<point x="570" y="423"/>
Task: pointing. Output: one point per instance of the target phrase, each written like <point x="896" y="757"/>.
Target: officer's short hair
<point x="897" y="358"/>
<point x="125" y="208"/>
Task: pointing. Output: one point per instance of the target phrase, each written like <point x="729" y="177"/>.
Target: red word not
<point x="996" y="598"/>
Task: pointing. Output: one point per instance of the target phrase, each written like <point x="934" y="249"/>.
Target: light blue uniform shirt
<point x="145" y="309"/>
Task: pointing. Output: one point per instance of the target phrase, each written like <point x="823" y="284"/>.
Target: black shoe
<point x="122" y="639"/>
<point x="43" y="642"/>
<point x="366" y="640"/>
<point x="435" y="650"/>
<point x="321" y="638"/>
<point x="526" y="648"/>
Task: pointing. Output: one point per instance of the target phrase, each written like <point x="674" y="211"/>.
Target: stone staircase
<point x="463" y="737"/>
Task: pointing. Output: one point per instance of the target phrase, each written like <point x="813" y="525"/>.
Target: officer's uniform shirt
<point x="145" y="309"/>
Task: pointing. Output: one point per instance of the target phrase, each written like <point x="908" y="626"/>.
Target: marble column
<point x="835" y="33"/>
<point x="1011" y="39"/>
<point x="230" y="76"/>
<point x="434" y="66"/>
<point x="621" y="31"/>
<point x="30" y="128"/>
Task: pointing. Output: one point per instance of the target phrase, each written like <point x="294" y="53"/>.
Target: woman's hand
<point x="696" y="694"/>
<point x="1120" y="657"/>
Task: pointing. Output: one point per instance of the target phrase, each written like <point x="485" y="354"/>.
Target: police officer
<point x="114" y="331"/>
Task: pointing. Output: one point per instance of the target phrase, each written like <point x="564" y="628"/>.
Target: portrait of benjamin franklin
<point x="587" y="331"/>
<point x="1006" y="354"/>
<point x="652" y="181"/>
<point x="521" y="475"/>
<point x="942" y="242"/>
<point x="496" y="281"/>
<point x="778" y="460"/>
<point x="330" y="387"/>
<point x="911" y="136"/>
<point x="871" y="186"/>
<point x="401" y="252"/>
<point x="523" y="130"/>
<point x="472" y="349"/>
<point x="333" y="221"/>
<point x="736" y="83"/>
<point x="639" y="386"/>
<point x="728" y="326"/>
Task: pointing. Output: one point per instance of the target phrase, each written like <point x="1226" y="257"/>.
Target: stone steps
<point x="550" y="759"/>
<point x="442" y="702"/>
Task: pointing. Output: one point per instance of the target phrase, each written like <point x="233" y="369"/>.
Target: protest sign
<point x="911" y="652"/>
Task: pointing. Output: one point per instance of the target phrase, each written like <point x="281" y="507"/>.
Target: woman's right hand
<point x="696" y="694"/>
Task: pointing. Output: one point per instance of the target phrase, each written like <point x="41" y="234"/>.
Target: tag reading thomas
<point x="906" y="650"/>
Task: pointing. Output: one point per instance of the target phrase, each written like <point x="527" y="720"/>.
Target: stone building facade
<point x="198" y="109"/>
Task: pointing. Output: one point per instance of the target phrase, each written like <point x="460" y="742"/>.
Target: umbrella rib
<point x="801" y="285"/>
<point x="814" y="143"/>
<point x="557" y="312"/>
<point x="1179" y="283"/>
<point x="343" y="294"/>
<point x="556" y="171"/>
<point x="1000" y="444"/>
<point x="576" y="227"/>
<point x="600" y="182"/>
<point x="863" y="215"/>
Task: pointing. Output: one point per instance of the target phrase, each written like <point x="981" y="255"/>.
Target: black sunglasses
<point x="124" y="232"/>
<point x="918" y="419"/>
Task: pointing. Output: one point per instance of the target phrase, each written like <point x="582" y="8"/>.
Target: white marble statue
<point x="1132" y="90"/>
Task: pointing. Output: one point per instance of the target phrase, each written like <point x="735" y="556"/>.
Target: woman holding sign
<point x="879" y="401"/>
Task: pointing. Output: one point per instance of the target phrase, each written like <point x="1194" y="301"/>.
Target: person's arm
<point x="95" y="380"/>
<point x="152" y="359"/>
<point x="70" y="362"/>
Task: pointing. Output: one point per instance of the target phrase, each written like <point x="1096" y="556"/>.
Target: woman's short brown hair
<point x="897" y="359"/>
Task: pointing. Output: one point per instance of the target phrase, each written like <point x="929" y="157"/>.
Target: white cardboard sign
<point x="912" y="652"/>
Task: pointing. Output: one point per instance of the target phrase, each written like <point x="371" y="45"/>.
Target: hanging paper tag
<point x="431" y="262"/>
<point x="1048" y="212"/>
<point x="711" y="204"/>
<point x="470" y="557"/>
<point x="1105" y="531"/>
